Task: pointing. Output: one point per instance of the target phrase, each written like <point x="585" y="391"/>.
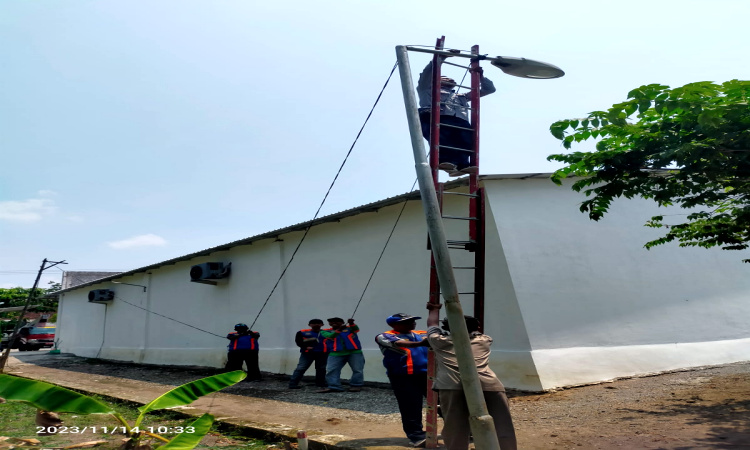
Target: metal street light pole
<point x="6" y="353"/>
<point x="481" y="422"/>
<point x="482" y="426"/>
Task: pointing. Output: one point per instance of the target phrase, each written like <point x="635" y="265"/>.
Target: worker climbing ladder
<point x="432" y="192"/>
<point x="474" y="217"/>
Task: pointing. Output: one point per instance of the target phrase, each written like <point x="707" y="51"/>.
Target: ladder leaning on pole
<point x="474" y="218"/>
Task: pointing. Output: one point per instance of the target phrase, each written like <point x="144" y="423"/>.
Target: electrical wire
<point x="104" y="332"/>
<point x="167" y="317"/>
<point x="307" y="230"/>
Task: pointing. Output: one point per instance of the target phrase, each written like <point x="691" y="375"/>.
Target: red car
<point x="34" y="338"/>
<point x="41" y="336"/>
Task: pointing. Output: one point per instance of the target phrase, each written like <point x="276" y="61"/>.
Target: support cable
<point x="307" y="230"/>
<point x="167" y="317"/>
<point x="383" y="251"/>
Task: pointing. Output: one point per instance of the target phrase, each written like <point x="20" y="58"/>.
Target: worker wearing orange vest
<point x="313" y="349"/>
<point x="243" y="347"/>
<point x="346" y="349"/>
<point x="405" y="359"/>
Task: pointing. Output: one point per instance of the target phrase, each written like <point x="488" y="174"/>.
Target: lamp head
<point x="526" y="68"/>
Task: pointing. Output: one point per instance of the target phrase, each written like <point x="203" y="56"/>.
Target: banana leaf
<point x="49" y="397"/>
<point x="189" y="392"/>
<point x="188" y="441"/>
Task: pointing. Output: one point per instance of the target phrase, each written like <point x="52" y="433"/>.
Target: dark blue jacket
<point x="404" y="360"/>
<point x="247" y="341"/>
<point x="321" y="345"/>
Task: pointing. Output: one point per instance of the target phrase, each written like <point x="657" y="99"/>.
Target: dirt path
<point x="699" y="409"/>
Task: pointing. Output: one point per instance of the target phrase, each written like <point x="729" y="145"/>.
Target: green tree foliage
<point x="687" y="146"/>
<point x="17" y="297"/>
<point x="53" y="287"/>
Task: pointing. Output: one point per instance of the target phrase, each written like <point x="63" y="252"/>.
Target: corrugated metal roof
<point x="369" y="207"/>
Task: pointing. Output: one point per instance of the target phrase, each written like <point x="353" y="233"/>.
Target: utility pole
<point x="482" y="425"/>
<point x="14" y="335"/>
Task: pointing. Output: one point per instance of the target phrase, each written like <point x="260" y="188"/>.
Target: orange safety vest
<point x="412" y="360"/>
<point x="246" y="342"/>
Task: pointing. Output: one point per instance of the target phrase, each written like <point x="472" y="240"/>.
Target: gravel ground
<point x="375" y="398"/>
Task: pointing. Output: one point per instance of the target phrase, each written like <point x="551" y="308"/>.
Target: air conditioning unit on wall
<point x="207" y="273"/>
<point x="101" y="295"/>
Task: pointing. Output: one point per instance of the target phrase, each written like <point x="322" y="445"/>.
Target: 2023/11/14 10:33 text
<point x="112" y="430"/>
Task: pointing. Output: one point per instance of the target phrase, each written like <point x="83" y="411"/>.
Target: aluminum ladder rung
<point x="465" y="267"/>
<point x="456" y="126"/>
<point x="459" y="218"/>
<point x="463" y="245"/>
<point x="457" y="149"/>
<point x="460" y="193"/>
<point x="466" y="293"/>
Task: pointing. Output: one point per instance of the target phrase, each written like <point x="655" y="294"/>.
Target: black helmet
<point x="472" y="324"/>
<point x="240" y="325"/>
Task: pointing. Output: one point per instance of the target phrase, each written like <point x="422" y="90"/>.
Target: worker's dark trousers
<point x="456" y="419"/>
<point x="452" y="137"/>
<point x="235" y="358"/>
<point x="409" y="391"/>
<point x="306" y="360"/>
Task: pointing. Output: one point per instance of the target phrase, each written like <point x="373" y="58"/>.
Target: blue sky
<point x="132" y="132"/>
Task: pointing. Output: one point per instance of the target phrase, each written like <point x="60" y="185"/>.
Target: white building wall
<point x="597" y="305"/>
<point x="326" y="279"/>
<point x="569" y="301"/>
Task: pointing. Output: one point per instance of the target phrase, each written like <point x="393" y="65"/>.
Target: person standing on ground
<point x="405" y="360"/>
<point x="456" y="429"/>
<point x="313" y="349"/>
<point x="345" y="349"/>
<point x="243" y="347"/>
<point x="454" y="112"/>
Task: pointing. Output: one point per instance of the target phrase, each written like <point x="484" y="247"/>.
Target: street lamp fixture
<point x="526" y="68"/>
<point x="518" y="67"/>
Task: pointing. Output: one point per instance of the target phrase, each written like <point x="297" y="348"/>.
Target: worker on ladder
<point x="454" y="113"/>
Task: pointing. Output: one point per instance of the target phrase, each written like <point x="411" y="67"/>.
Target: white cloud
<point x="47" y="193"/>
<point x="31" y="210"/>
<point x="143" y="240"/>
